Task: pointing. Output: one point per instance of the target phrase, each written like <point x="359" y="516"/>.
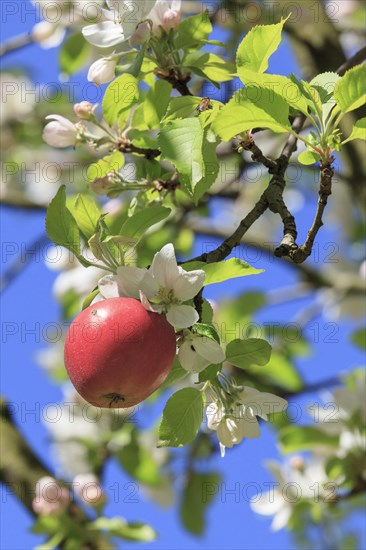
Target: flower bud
<point x="171" y="19"/>
<point x="50" y="497"/>
<point x="102" y="71"/>
<point x="84" y="110"/>
<point x="88" y="489"/>
<point x="60" y="132"/>
<point x="141" y="35"/>
<point x="43" y="31"/>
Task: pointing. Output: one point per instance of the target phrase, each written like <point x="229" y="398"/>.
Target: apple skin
<point x="117" y="353"/>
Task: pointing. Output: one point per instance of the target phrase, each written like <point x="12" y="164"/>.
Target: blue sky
<point x="28" y="301"/>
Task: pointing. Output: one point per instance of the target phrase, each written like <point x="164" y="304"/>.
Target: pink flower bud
<point x="171" y="19"/>
<point x="83" y="110"/>
<point x="102" y="71"/>
<point x="60" y="132"/>
<point x="88" y="489"/>
<point x="141" y="35"/>
<point x="50" y="497"/>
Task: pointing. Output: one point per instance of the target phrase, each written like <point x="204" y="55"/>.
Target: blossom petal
<point x="149" y="285"/>
<point x="214" y="415"/>
<point x="104" y="34"/>
<point x="188" y="284"/>
<point x="190" y="360"/>
<point x="130" y="280"/>
<point x="268" y="504"/>
<point x="108" y="287"/>
<point x="182" y="316"/>
<point x="209" y="349"/>
<point x="250" y="426"/>
<point x="281" y="518"/>
<point x="164" y="267"/>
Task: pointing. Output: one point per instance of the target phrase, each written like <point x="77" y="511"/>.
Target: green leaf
<point x="153" y="107"/>
<point x="176" y="374"/>
<point x="73" y="54"/>
<point x="205" y="329"/>
<point x="184" y="144"/>
<point x="212" y="66"/>
<point x="181" y="144"/>
<point x="209" y="373"/>
<point x="109" y="163"/>
<point x="47" y="525"/>
<point x="277" y="85"/>
<point x="258" y="45"/>
<point x="182" y="418"/>
<point x="217" y="272"/>
<point x="138" y="461"/>
<point x="358" y="131"/>
<point x="119" y="97"/>
<point x="181" y="107"/>
<point x="252" y="107"/>
<point x="118" y="527"/>
<point x="88" y="300"/>
<point x="359" y="338"/>
<point x="61" y="227"/>
<point x="86" y="213"/>
<point x="193" y="31"/>
<point x="324" y="84"/>
<point x="308" y="157"/>
<point x="350" y="90"/>
<point x="244" y="353"/>
<point x="300" y="438"/>
<point x="136" y="226"/>
<point x="279" y="371"/>
<point x="199" y="491"/>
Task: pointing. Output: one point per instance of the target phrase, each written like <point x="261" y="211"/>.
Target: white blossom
<point x="162" y="288"/>
<point x="120" y="22"/>
<point x="295" y="480"/>
<point x="60" y="132"/>
<point x="102" y="71"/>
<point x="197" y="352"/>
<point x="241" y="420"/>
<point x="165" y="15"/>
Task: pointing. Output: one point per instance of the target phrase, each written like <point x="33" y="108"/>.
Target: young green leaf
<point x="61" y="227"/>
<point x="199" y="491"/>
<point x="252" y="107"/>
<point x="182" y="418"/>
<point x="119" y="97"/>
<point x="181" y="107"/>
<point x="149" y="114"/>
<point x="244" y="353"/>
<point x="278" y="85"/>
<point x="193" y="31"/>
<point x="136" y="226"/>
<point x="301" y="438"/>
<point x="205" y="329"/>
<point x="211" y="66"/>
<point x="358" y="131"/>
<point x="73" y="54"/>
<point x="217" y="272"/>
<point x="257" y="47"/>
<point x="308" y="157"/>
<point x="109" y="163"/>
<point x="181" y="143"/>
<point x="280" y="371"/>
<point x="350" y="90"/>
<point x="139" y="462"/>
<point x="118" y="527"/>
<point x="86" y="213"/>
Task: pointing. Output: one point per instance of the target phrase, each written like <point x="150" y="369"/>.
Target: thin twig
<point x="16" y="43"/>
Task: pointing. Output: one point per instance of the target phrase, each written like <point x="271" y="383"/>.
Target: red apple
<point x="117" y="353"/>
